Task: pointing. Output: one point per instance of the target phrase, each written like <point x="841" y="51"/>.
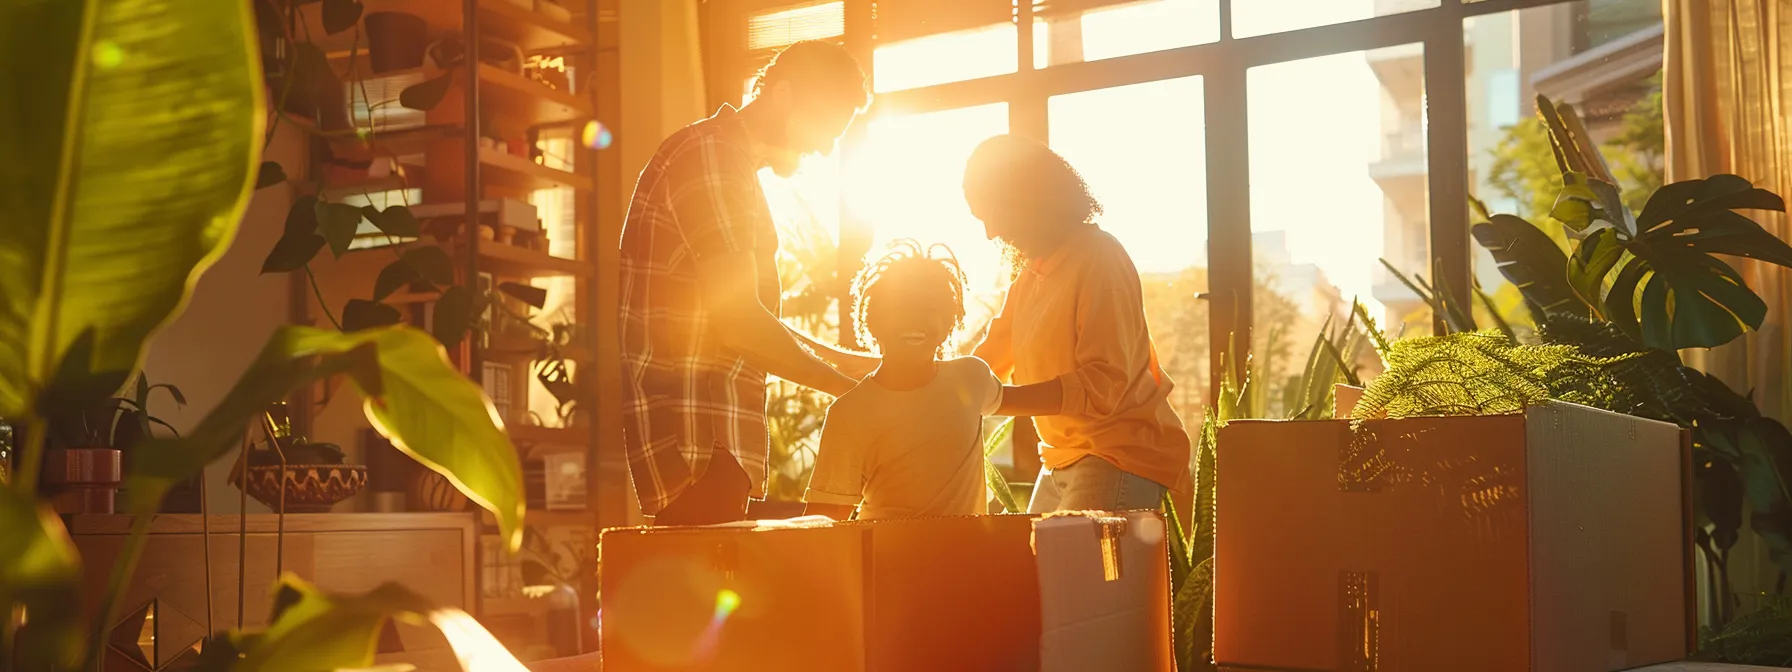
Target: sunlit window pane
<point x="1338" y="181"/>
<point x="927" y="42"/>
<point x="1605" y="57"/>
<point x="1261" y="17"/>
<point x="1070" y="33"/>
<point x="908" y="182"/>
<point x="1142" y="149"/>
<point x="786" y="26"/>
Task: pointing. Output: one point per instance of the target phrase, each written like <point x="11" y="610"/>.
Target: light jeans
<point x="1093" y="484"/>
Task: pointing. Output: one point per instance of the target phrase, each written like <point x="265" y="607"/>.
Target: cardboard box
<point x="1104" y="592"/>
<point x="1553" y="541"/>
<point x="965" y="593"/>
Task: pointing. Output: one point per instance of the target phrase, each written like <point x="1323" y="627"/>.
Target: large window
<point x="1326" y="159"/>
<point x="1604" y="57"/>
<point x="1338" y="183"/>
<point x="1142" y="149"/>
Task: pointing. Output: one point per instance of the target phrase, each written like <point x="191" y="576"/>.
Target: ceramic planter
<point x="83" y="480"/>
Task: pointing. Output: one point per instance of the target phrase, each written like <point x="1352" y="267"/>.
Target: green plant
<point x="1522" y="169"/>
<point x="113" y="422"/>
<point x="1330" y="361"/>
<point x="314" y="223"/>
<point x="131" y="132"/>
<point x="1636" y="289"/>
<point x="1762" y="637"/>
<point x="992" y="476"/>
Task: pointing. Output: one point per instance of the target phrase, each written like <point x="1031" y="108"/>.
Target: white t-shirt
<point x="909" y="453"/>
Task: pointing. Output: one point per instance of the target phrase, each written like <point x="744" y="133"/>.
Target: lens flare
<point x="726" y="602"/>
<point x="596" y="135"/>
<point x="107" y="54"/>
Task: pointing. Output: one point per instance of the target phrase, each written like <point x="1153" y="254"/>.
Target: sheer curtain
<point x="1727" y="101"/>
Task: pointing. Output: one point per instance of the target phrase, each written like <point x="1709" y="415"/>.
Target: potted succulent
<point x="88" y="441"/>
<point x="293" y="475"/>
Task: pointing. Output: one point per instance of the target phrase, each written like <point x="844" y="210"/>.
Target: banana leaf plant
<point x="1651" y="284"/>
<point x="132" y="133"/>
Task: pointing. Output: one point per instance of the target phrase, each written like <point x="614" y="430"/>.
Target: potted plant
<point x="291" y="474"/>
<point x="89" y="441"/>
<point x="108" y="238"/>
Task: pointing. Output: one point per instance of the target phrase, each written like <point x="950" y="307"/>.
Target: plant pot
<point x="83" y="480"/>
<point x="396" y="41"/>
<point x="309" y="488"/>
<point x="431" y="491"/>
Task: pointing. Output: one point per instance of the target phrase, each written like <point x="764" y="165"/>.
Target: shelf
<point x="490" y="607"/>
<point x="529" y="30"/>
<point x="517" y="171"/>
<point x="547" y="518"/>
<point x="527" y="101"/>
<point x="578" y="437"/>
<point x="510" y="261"/>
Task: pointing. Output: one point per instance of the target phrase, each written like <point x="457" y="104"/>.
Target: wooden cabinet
<point x="164" y="611"/>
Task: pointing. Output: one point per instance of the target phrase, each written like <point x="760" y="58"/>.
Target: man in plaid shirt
<point x="700" y="296"/>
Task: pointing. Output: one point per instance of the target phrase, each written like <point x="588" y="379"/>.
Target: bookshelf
<point x="500" y="136"/>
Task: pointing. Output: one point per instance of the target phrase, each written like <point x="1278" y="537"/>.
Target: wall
<point x="232" y="312"/>
<point x="662" y="78"/>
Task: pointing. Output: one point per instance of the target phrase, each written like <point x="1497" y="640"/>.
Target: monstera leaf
<point x="1687" y="297"/>
<point x="1532" y="262"/>
<point x="131" y="133"/>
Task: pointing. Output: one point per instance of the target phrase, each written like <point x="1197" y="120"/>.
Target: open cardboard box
<point x="1555" y="540"/>
<point x="963" y="593"/>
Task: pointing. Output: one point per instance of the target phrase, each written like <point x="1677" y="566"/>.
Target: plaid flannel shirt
<point x="684" y="392"/>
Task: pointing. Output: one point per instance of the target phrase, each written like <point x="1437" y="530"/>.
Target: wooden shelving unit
<point x="447" y="160"/>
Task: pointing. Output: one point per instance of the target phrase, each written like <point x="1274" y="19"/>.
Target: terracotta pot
<point x="83" y="480"/>
<point x="310" y="488"/>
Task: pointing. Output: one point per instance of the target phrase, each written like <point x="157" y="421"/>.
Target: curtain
<point x="1727" y="102"/>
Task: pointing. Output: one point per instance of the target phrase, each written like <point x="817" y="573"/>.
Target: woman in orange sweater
<point x="1071" y="338"/>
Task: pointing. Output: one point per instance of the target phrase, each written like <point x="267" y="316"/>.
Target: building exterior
<point x="1597" y="54"/>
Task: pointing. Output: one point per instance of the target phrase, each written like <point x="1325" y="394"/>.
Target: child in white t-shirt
<point x="908" y="441"/>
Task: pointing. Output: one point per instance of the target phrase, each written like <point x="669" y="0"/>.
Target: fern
<point x="1483" y="373"/>
<point x="1763" y="637"/>
<point x="1651" y="383"/>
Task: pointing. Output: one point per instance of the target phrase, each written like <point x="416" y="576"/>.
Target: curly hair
<point x="1017" y="168"/>
<point x="907" y="263"/>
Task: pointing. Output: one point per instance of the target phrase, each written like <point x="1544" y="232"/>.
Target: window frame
<point x="1222" y="64"/>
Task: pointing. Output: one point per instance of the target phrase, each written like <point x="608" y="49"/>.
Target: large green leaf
<point x="1766" y="472"/>
<point x="131" y="133"/>
<point x="325" y="632"/>
<point x="413" y="397"/>
<point x="1533" y="262"/>
<point x="1592" y="260"/>
<point x="40" y="569"/>
<point x="1688" y="297"/>
<point x="312" y="630"/>
<point x="1585" y="202"/>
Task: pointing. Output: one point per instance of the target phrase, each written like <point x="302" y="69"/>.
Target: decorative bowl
<point x="310" y="488"/>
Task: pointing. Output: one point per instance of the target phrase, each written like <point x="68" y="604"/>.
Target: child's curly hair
<point x="906" y="262"/>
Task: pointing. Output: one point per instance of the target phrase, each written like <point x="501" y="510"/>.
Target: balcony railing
<point x="1406" y="143"/>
